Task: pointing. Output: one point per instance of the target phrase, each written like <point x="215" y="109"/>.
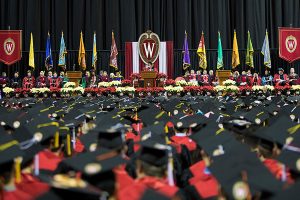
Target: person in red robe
<point x="281" y="79"/>
<point x="205" y="78"/>
<point x="255" y="80"/>
<point x="151" y="170"/>
<point x="54" y="81"/>
<point x="28" y="81"/>
<point x="42" y="80"/>
<point x="104" y="77"/>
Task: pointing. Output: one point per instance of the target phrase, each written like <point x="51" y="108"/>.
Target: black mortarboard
<point x="9" y="148"/>
<point x="290" y="154"/>
<point x="152" y="194"/>
<point x="292" y="192"/>
<point x="111" y="139"/>
<point x="154" y="153"/>
<point x="243" y="167"/>
<point x="278" y="131"/>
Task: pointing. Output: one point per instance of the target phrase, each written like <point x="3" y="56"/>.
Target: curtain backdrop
<point x="129" y="18"/>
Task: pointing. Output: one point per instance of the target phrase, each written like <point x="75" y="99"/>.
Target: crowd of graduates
<point x="190" y="147"/>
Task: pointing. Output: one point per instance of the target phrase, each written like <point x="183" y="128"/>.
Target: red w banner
<point x="289" y="48"/>
<point x="10" y="46"/>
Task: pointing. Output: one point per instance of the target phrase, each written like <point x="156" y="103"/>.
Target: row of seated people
<point x="246" y="78"/>
<point x="52" y="80"/>
<point x="90" y="79"/>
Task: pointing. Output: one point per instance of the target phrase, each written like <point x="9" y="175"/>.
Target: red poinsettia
<point x="207" y="88"/>
<point x="54" y="90"/>
<point x="245" y="88"/>
<point x="135" y="76"/>
<point x="161" y="75"/>
<point x="126" y="82"/>
<point x="282" y="88"/>
<point x="170" y="82"/>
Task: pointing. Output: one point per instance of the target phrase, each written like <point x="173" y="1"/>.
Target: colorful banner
<point x="10" y="46"/>
<point x="289" y="49"/>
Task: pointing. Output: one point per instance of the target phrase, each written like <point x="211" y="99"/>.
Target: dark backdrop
<point x="129" y="18"/>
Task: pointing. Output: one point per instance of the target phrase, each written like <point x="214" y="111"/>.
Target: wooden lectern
<point x="149" y="78"/>
<point x="223" y="75"/>
<point x="74" y="76"/>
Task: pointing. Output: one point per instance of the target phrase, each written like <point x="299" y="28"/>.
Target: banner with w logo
<point x="289" y="41"/>
<point x="10" y="46"/>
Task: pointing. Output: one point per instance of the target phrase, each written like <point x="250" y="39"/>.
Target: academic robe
<point x="139" y="186"/>
<point x="41" y="81"/>
<point x="48" y="160"/>
<point x="296" y="79"/>
<point x="15" y="82"/>
<point x="276" y="169"/>
<point x="4" y="81"/>
<point x="16" y="194"/>
<point x="54" y="82"/>
<point x="285" y="78"/>
<point x="104" y="79"/>
<point x="205" y="79"/>
<point x="32" y="186"/>
<point x="28" y="82"/>
<point x="183" y="140"/>
<point x="255" y="81"/>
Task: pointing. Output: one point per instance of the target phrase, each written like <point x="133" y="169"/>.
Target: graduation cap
<point x="152" y="194"/>
<point x="152" y="114"/>
<point x="192" y="121"/>
<point x="111" y="139"/>
<point x="257" y="115"/>
<point x="292" y="192"/>
<point x="9" y="149"/>
<point x="279" y="131"/>
<point x="290" y="154"/>
<point x="245" y="175"/>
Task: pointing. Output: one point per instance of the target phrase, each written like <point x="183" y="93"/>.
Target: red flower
<point x="170" y="82"/>
<point x="126" y="82"/>
<point x="245" y="88"/>
<point x="161" y="75"/>
<point x="135" y="76"/>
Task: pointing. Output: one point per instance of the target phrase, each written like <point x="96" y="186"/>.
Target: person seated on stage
<point x="245" y="79"/>
<point x="4" y="80"/>
<point x="205" y="78"/>
<point x="281" y="78"/>
<point x="50" y="74"/>
<point x="192" y="76"/>
<point x="118" y="76"/>
<point x="267" y="79"/>
<point x="16" y="82"/>
<point x="256" y="80"/>
<point x="42" y="80"/>
<point x="111" y="76"/>
<point x="100" y="75"/>
<point x="104" y="77"/>
<point x="249" y="74"/>
<point x="198" y="75"/>
<point x="93" y="80"/>
<point x="54" y="82"/>
<point x="212" y="79"/>
<point x="63" y="79"/>
<point x="85" y="81"/>
<point x="186" y="76"/>
<point x="28" y="81"/>
<point x="237" y="77"/>
<point x="293" y="77"/>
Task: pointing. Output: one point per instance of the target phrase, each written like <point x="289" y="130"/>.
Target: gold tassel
<point x="166" y="129"/>
<point x="68" y="145"/>
<point x="219" y="131"/>
<point x="56" y="139"/>
<point x="294" y="129"/>
<point x="18" y="161"/>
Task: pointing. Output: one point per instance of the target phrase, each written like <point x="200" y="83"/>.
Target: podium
<point x="223" y="75"/>
<point x="74" y="76"/>
<point x="149" y="78"/>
